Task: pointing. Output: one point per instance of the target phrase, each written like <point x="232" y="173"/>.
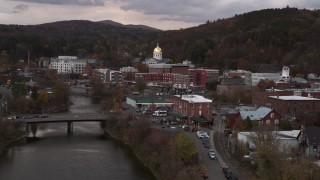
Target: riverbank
<point x="10" y="133"/>
<point x="163" y="153"/>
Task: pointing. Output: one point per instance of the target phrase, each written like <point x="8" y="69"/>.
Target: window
<point x="315" y="147"/>
<point x="268" y="121"/>
<point x="272" y="115"/>
<point x="276" y="121"/>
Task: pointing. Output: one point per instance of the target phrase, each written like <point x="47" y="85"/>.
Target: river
<point x="86" y="155"/>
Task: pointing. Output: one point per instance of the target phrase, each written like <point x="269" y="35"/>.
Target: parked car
<point x="224" y="169"/>
<point x="43" y="116"/>
<point x="200" y="134"/>
<point x="212" y="154"/>
<point x="228" y="174"/>
<point x="173" y="122"/>
<point x="205" y="135"/>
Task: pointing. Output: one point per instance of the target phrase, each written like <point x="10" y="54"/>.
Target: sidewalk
<point x="217" y="141"/>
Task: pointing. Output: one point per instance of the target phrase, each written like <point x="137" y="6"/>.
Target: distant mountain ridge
<point x="113" y="23"/>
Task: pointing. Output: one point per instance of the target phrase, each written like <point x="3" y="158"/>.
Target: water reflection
<point x="86" y="155"/>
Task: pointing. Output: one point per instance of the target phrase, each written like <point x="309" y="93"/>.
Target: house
<point x="263" y="116"/>
<point x="286" y="139"/>
<point x="196" y="107"/>
<point x="312" y="142"/>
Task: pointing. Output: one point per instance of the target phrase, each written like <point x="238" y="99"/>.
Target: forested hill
<point x="76" y="37"/>
<point x="254" y="41"/>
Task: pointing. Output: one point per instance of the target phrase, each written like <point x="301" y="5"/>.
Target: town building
<point x="107" y="76"/>
<point x="158" y="101"/>
<point x="69" y="64"/>
<point x="262" y="116"/>
<point x="291" y="105"/>
<point x="257" y="77"/>
<point x="311" y="138"/>
<point x="286" y="139"/>
<point x="128" y="73"/>
<point x="228" y="86"/>
<point x="197" y="109"/>
<point x="198" y="78"/>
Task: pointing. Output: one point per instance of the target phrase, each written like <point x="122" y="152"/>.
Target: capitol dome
<point x="157" y="53"/>
<point x="157" y="49"/>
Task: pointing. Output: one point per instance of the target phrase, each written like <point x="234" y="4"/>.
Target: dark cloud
<point x="198" y="11"/>
<point x="68" y="2"/>
<point x="20" y="8"/>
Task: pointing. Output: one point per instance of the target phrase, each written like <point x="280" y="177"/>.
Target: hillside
<point x="77" y="37"/>
<point x="267" y="38"/>
<point x="258" y="41"/>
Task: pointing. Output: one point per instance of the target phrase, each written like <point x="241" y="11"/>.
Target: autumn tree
<point x="265" y="84"/>
<point x="61" y="93"/>
<point x="140" y="86"/>
<point x="184" y="148"/>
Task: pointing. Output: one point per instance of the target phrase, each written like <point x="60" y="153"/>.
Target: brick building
<point x="259" y="98"/>
<point x="228" y="86"/>
<point x="290" y="105"/>
<point x="198" y="78"/>
<point x="197" y="108"/>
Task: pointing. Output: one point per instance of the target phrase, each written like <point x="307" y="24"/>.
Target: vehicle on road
<point x="212" y="154"/>
<point x="200" y="134"/>
<point x="160" y="113"/>
<point x="205" y="135"/>
<point x="43" y="116"/>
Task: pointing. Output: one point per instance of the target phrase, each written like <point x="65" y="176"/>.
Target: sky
<point x="161" y="14"/>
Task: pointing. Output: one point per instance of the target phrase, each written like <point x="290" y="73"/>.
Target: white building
<point x="108" y="76"/>
<point x="69" y="64"/>
<point x="286" y="139"/>
<point x="257" y="77"/>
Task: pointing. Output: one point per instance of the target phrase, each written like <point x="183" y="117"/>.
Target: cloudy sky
<point x="162" y="14"/>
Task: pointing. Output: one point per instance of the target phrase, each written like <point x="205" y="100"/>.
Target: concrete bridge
<point x="68" y="118"/>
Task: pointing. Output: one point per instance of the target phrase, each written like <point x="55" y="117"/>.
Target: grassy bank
<point x="168" y="155"/>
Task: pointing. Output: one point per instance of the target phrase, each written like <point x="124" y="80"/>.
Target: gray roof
<point x="313" y="135"/>
<point x="299" y="80"/>
<point x="255" y="115"/>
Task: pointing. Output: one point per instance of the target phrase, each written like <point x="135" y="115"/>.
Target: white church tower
<point x="285" y="73"/>
<point x="157" y="53"/>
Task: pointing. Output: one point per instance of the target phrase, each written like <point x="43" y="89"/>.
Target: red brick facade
<point x="287" y="106"/>
<point x="202" y="109"/>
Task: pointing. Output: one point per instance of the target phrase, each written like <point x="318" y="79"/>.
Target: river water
<point x="86" y="155"/>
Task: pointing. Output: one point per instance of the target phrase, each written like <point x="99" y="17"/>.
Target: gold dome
<point x="157" y="49"/>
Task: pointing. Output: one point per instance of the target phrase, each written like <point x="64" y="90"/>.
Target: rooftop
<point x="195" y="99"/>
<point x="295" y="98"/>
<point x="255" y="115"/>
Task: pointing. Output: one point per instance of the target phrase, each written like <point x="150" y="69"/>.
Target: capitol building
<point x="157" y="57"/>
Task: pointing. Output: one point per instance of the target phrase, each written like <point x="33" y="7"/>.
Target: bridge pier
<point x="70" y="128"/>
<point x="27" y="128"/>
